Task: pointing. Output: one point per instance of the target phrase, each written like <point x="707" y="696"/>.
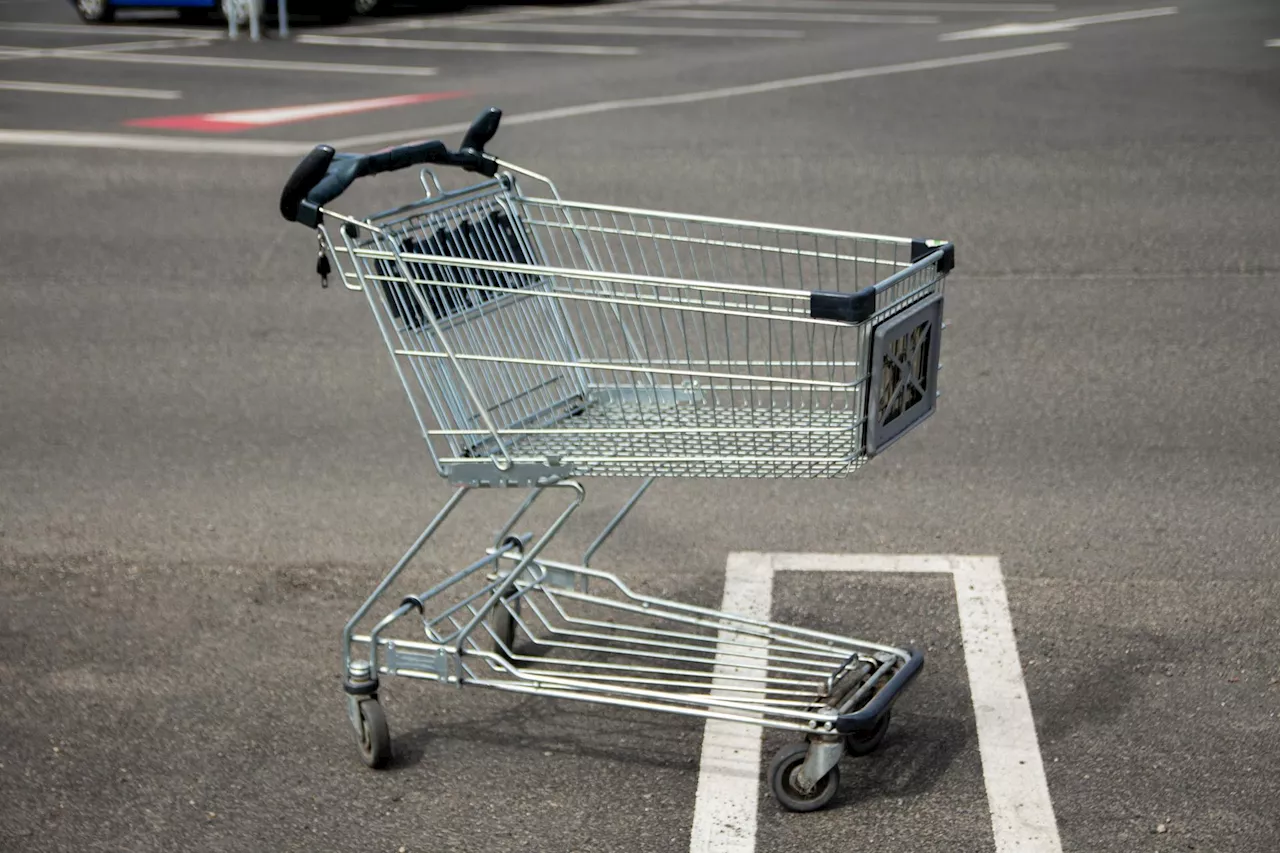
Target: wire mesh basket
<point x="562" y="338"/>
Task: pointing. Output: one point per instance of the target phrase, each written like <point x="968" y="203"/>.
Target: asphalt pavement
<point x="206" y="464"/>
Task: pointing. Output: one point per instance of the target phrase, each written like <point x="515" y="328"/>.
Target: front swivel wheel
<point x="374" y="737"/>
<point x="790" y="788"/>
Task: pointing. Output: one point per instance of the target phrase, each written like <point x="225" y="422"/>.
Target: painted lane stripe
<point x="79" y="29"/>
<point x="92" y="91"/>
<point x="634" y="30"/>
<point x="1272" y="43"/>
<point x="276" y="148"/>
<point x="1022" y="816"/>
<point x="526" y="14"/>
<point x="241" y="63"/>
<point x="558" y="113"/>
<point x="797" y="17"/>
<point x="230" y="122"/>
<point x="724" y="813"/>
<point x="7" y="52"/>
<point x="480" y="46"/>
<point x="879" y="6"/>
<point x="1065" y="25"/>
<point x="158" y="144"/>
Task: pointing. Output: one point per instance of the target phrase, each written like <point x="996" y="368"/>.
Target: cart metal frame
<point x="542" y="341"/>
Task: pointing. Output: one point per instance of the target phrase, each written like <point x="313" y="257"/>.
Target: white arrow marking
<point x="1065" y="25"/>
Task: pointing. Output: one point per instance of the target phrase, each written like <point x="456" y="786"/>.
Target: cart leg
<point x="613" y="525"/>
<point x="506" y="585"/>
<point x="362" y="675"/>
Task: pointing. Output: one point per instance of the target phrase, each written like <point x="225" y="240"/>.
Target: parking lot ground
<point x="205" y="463"/>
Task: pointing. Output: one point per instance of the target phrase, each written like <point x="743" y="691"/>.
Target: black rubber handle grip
<point x="323" y="174"/>
<point x="482" y="130"/>
<point x="345" y="168"/>
<point x="309" y="172"/>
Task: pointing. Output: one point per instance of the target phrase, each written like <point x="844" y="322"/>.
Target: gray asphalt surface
<point x="205" y="464"/>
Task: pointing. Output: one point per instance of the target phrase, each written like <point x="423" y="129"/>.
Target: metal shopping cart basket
<point x="543" y="341"/>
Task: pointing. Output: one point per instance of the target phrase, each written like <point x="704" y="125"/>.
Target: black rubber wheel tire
<point x="503" y="624"/>
<point x="786" y="762"/>
<point x="105" y="15"/>
<point x="375" y="737"/>
<point x="865" y="743"/>
<point x="336" y="12"/>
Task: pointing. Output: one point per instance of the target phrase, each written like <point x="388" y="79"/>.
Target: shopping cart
<point x="542" y="341"/>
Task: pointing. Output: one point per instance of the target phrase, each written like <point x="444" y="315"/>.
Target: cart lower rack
<point x="542" y="342"/>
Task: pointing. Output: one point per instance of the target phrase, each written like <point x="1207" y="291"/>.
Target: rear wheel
<point x="95" y="11"/>
<point x="865" y="743"/>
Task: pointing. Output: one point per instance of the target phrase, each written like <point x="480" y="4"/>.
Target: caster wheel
<point x="504" y="627"/>
<point x="375" y="737"/>
<point x="865" y="743"/>
<point x="785" y="783"/>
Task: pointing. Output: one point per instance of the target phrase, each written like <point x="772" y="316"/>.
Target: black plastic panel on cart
<point x="904" y="372"/>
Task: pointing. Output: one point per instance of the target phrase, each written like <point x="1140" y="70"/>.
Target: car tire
<point x="95" y="11"/>
<point x="337" y="11"/>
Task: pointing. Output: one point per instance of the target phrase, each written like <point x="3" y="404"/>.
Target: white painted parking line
<point x="558" y="113"/>
<point x="796" y="17"/>
<point x="113" y="30"/>
<point x="154" y="44"/>
<point x="128" y="142"/>
<point x="109" y="47"/>
<point x="161" y="144"/>
<point x="1022" y="817"/>
<point x="91" y="91"/>
<point x="245" y="63"/>
<point x="635" y="30"/>
<point x="882" y="5"/>
<point x="1066" y="25"/>
<point x="451" y="21"/>
<point x="477" y="46"/>
<point x="1272" y="43"/>
<point x="724" y="813"/>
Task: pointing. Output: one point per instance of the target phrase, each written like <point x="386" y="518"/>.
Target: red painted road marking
<point x="248" y="119"/>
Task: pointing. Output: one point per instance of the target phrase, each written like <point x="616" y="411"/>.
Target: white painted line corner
<point x="1022" y="817"/>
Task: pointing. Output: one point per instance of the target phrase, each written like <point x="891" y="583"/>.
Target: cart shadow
<point x="917" y="753"/>
<point x="538" y="725"/>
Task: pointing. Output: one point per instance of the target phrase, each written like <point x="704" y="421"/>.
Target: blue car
<point x="104" y="11"/>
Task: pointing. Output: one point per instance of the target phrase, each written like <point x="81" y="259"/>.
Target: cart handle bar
<point x="323" y="174"/>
